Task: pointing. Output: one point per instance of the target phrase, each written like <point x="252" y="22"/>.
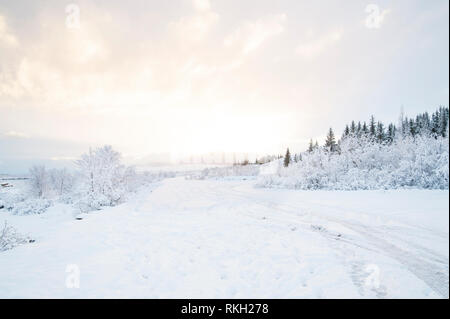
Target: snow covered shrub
<point x="32" y="196"/>
<point x="9" y="200"/>
<point x="10" y="238"/>
<point x="362" y="163"/>
<point x="31" y="206"/>
<point x="103" y="180"/>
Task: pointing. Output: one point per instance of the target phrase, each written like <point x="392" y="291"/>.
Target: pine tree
<point x="372" y="127"/>
<point x="330" y="142"/>
<point x="406" y="127"/>
<point x="443" y="121"/>
<point x="435" y="127"/>
<point x="365" y="130"/>
<point x="380" y="132"/>
<point x="426" y="122"/>
<point x="347" y="131"/>
<point x="412" y="128"/>
<point x="391" y="133"/>
<point x="353" y="127"/>
<point x="287" y="158"/>
<point x="311" y="146"/>
<point x="418" y="124"/>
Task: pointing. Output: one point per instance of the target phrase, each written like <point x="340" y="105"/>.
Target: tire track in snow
<point x="436" y="277"/>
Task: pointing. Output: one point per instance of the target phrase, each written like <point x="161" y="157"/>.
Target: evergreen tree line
<point x="424" y="124"/>
<point x="414" y="153"/>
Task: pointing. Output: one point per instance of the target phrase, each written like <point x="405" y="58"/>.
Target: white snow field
<point x="228" y="239"/>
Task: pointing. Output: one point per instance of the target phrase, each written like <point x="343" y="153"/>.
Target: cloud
<point x="202" y="5"/>
<point x="313" y="47"/>
<point x="6" y="37"/>
<point x="16" y="134"/>
<point x="57" y="68"/>
<point x="252" y="35"/>
<point x="194" y="28"/>
<point x="128" y="69"/>
<point x="31" y="78"/>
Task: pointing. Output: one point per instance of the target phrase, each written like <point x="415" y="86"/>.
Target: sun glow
<point x="150" y="79"/>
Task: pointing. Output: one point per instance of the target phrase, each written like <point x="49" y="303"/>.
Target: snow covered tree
<point x="346" y="131"/>
<point x="444" y="121"/>
<point x="412" y="128"/>
<point x="61" y="180"/>
<point x="380" y="132"/>
<point x="38" y="180"/>
<point x="391" y="133"/>
<point x="435" y="127"/>
<point x="365" y="130"/>
<point x="353" y="128"/>
<point x="330" y="142"/>
<point x="287" y="158"/>
<point x="372" y="126"/>
<point x="311" y="146"/>
<point x="102" y="177"/>
<point x="358" y="129"/>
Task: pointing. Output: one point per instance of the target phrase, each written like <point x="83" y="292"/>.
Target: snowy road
<point x="227" y="239"/>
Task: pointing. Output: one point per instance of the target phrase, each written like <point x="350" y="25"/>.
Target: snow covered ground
<point x="227" y="239"/>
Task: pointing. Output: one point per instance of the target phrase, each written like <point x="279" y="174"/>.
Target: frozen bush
<point x="31" y="206"/>
<point x="10" y="238"/>
<point x="9" y="200"/>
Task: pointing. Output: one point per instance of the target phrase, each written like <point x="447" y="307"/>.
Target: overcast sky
<point x="193" y="76"/>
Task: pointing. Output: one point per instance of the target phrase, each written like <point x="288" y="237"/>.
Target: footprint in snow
<point x="317" y="228"/>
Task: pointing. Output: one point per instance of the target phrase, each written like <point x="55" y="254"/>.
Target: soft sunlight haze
<point x="199" y="76"/>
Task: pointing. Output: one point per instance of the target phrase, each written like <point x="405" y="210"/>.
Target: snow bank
<point x="227" y="239"/>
